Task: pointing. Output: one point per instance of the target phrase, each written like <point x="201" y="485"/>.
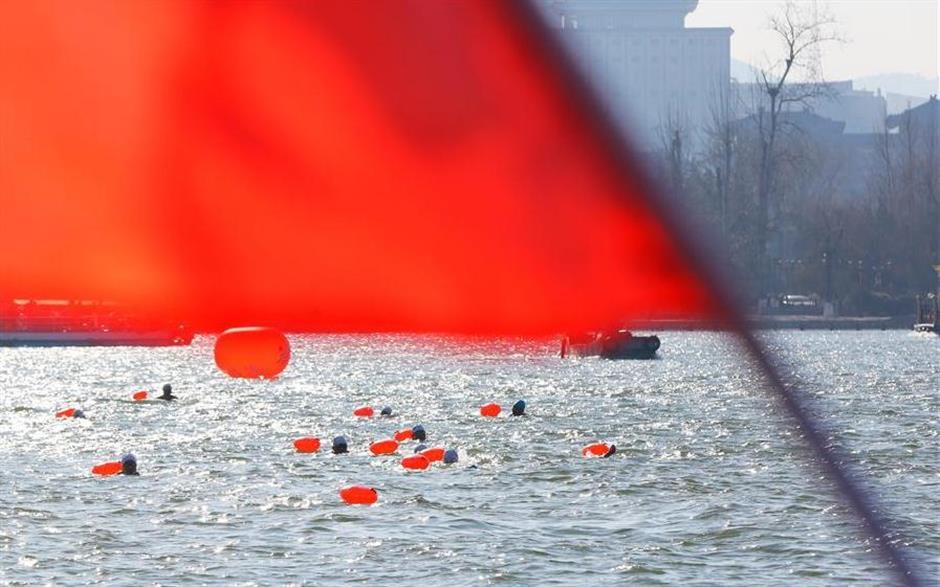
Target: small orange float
<point x="140" y="396"/>
<point x="417" y="462"/>
<point x="403" y="434"/>
<point x="598" y="449"/>
<point x="433" y="454"/>
<point x="364" y="412"/>
<point x="252" y="353"/>
<point x="307" y="444"/>
<point x="383" y="447"/>
<point x="490" y="410"/>
<point x="67" y="413"/>
<point x="359" y="495"/>
<point x="104" y="469"/>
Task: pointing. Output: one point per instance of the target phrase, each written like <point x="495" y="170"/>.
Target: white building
<point x="653" y="74"/>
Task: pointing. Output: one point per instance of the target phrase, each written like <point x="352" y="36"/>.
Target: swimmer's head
<point x="386" y="411"/>
<point x="129" y="464"/>
<point x="78" y="414"/>
<point x="518" y="408"/>
<point x="167" y="390"/>
<point x="450" y="456"/>
<point x="418" y="433"/>
<point x="339" y="445"/>
<point x="611" y="451"/>
<point x="420" y="448"/>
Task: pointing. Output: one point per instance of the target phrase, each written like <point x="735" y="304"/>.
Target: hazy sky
<point x="882" y="36"/>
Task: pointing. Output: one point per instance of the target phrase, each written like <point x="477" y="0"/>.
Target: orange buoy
<point x="417" y="462"/>
<point x="140" y="396"/>
<point x="112" y="468"/>
<point x="67" y="413"/>
<point x="403" y="434"/>
<point x="490" y="410"/>
<point x="383" y="447"/>
<point x="359" y="495"/>
<point x="364" y="412"/>
<point x="433" y="454"/>
<point x="307" y="444"/>
<point x="598" y="449"/>
<point x="252" y="353"/>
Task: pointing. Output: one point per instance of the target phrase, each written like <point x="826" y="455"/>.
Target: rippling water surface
<point x="711" y="484"/>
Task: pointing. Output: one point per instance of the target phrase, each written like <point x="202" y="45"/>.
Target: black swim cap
<point x="418" y="433"/>
<point x="339" y="445"/>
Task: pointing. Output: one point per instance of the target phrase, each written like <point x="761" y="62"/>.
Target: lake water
<point x="711" y="484"/>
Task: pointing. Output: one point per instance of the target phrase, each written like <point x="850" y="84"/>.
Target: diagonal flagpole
<point x="854" y="491"/>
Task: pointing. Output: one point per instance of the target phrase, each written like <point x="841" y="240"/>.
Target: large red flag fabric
<point x="329" y="165"/>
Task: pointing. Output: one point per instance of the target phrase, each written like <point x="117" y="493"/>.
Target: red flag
<point x="330" y="165"/>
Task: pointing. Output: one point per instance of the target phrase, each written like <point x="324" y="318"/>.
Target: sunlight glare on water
<point x="710" y="484"/>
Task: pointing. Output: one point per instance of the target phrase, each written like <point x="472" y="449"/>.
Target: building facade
<point x="654" y="75"/>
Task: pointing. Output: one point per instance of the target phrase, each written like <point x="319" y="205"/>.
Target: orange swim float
<point x="307" y="444"/>
<point x="252" y="353"/>
<point x="383" y="447"/>
<point x="416" y="462"/>
<point x="403" y="434"/>
<point x="598" y="449"/>
<point x="359" y="495"/>
<point x="433" y="454"/>
<point x="490" y="410"/>
<point x="67" y="413"/>
<point x="105" y="469"/>
<point x="140" y="396"/>
<point x="364" y="412"/>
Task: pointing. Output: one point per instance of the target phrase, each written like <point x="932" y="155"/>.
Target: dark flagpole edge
<point x="851" y="487"/>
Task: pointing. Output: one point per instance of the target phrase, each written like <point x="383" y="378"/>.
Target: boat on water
<point x="616" y="344"/>
<point x="82" y="323"/>
<point x="928" y="314"/>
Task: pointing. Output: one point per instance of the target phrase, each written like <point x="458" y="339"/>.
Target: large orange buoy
<point x="66" y="413"/>
<point x="417" y="462"/>
<point x="383" y="447"/>
<point x="112" y="468"/>
<point x="364" y="412"/>
<point x="359" y="495"/>
<point x="598" y="449"/>
<point x="307" y="444"/>
<point x="252" y="353"/>
<point x="403" y="434"/>
<point x="140" y="396"/>
<point x="490" y="410"/>
<point x="433" y="454"/>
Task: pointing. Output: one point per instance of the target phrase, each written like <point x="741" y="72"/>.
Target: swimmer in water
<point x="78" y="414"/>
<point x="386" y="411"/>
<point x="129" y="465"/>
<point x="340" y="446"/>
<point x="167" y="393"/>
<point x="418" y="433"/>
<point x="518" y="408"/>
<point x="611" y="451"/>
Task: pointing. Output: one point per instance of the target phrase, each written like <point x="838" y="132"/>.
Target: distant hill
<point x="906" y="84"/>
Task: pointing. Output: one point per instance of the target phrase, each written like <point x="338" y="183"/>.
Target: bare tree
<point x="800" y="32"/>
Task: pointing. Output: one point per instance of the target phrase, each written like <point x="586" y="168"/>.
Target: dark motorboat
<point x="618" y="344"/>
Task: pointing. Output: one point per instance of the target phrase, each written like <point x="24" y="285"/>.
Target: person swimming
<point x="418" y="433"/>
<point x="340" y="445"/>
<point x="386" y="411"/>
<point x="611" y="452"/>
<point x="167" y="393"/>
<point x="78" y="414"/>
<point x="129" y="465"/>
<point x="518" y="408"/>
